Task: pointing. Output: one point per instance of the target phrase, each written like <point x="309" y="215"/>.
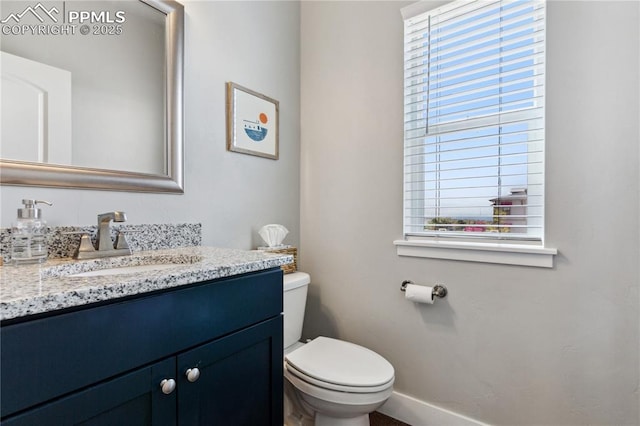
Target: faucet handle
<point x="85" y="246"/>
<point x="85" y="243"/>
<point x="121" y="241"/>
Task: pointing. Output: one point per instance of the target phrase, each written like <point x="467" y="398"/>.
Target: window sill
<point x="485" y="252"/>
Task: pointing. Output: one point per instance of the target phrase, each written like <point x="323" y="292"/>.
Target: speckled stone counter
<point x="64" y="240"/>
<point x="33" y="289"/>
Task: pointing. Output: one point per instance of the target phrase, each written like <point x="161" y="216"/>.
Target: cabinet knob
<point x="168" y="386"/>
<point x="192" y="374"/>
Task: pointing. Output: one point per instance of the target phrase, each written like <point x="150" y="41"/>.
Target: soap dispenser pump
<point x="28" y="234"/>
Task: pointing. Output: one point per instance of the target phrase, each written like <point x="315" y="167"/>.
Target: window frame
<point x="507" y="249"/>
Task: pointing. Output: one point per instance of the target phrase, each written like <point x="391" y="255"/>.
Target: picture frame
<point x="252" y="122"/>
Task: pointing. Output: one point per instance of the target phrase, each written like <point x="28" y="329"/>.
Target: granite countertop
<point x="33" y="289"/>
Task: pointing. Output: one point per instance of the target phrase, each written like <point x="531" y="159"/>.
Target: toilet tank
<point x="295" y="287"/>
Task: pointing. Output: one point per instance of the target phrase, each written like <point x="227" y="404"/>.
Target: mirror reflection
<point x="84" y="85"/>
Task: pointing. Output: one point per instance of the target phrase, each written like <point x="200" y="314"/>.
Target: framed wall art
<point x="252" y="122"/>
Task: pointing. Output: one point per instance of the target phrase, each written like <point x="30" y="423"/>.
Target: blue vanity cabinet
<point x="134" y="399"/>
<point x="104" y="364"/>
<point x="237" y="375"/>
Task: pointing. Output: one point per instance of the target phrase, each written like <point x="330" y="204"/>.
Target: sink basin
<point x="124" y="270"/>
<point x="121" y="265"/>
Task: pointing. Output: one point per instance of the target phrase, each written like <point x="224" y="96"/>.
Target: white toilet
<point x="328" y="382"/>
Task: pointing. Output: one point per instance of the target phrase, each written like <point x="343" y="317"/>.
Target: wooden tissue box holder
<point x="289" y="267"/>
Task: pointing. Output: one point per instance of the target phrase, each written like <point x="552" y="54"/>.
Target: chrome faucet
<point x="106" y="247"/>
<point x="104" y="229"/>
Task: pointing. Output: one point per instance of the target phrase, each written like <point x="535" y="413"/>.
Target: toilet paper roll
<point x="419" y="293"/>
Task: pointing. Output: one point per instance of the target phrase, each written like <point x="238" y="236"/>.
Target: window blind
<point x="474" y="120"/>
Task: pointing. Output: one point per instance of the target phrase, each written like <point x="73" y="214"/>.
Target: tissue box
<point x="289" y="267"/>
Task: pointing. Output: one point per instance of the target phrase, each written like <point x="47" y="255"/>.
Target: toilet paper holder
<point x="438" y="290"/>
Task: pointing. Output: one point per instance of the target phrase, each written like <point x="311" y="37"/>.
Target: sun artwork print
<point x="252" y="122"/>
<point x="256" y="130"/>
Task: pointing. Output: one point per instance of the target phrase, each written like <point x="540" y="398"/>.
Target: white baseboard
<point x="419" y="413"/>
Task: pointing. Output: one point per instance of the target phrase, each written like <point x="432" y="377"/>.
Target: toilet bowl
<point x="328" y="382"/>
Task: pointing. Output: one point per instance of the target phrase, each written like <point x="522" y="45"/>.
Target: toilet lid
<point x="341" y="363"/>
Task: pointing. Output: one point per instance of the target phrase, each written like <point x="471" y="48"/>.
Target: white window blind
<point x="474" y="120"/>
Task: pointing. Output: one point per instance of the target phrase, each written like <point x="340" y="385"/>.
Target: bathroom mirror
<point x="108" y="113"/>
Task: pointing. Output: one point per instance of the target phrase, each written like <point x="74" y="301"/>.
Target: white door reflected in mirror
<point x="36" y="111"/>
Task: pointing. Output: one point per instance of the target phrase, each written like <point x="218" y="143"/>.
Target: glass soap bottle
<point x="28" y="234"/>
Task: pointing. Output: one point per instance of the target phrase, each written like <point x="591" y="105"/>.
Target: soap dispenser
<point x="28" y="243"/>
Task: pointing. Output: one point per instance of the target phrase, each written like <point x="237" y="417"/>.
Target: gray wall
<point x="510" y="345"/>
<point x="255" y="44"/>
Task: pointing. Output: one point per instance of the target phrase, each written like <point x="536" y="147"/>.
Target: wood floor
<point x="379" y="419"/>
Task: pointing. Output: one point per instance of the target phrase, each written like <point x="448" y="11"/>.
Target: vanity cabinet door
<point x="239" y="382"/>
<point x="133" y="399"/>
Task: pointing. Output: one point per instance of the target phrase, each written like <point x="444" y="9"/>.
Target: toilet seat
<point x="292" y="371"/>
<point x="340" y="366"/>
<point x="345" y="400"/>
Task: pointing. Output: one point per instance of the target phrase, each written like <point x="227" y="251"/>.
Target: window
<point x="474" y="123"/>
